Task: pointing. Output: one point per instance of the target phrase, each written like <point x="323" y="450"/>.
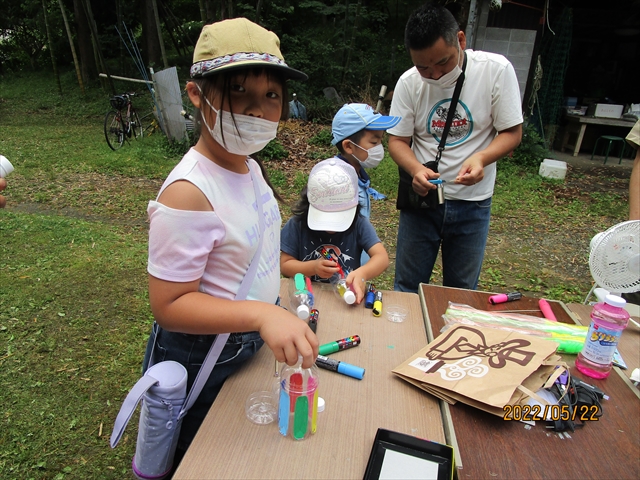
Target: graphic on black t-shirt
<point x="336" y="254"/>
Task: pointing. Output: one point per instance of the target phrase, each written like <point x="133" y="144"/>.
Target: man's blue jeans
<point x="459" y="226"/>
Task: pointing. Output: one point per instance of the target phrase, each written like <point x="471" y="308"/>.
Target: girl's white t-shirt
<point x="489" y="102"/>
<point x="217" y="247"/>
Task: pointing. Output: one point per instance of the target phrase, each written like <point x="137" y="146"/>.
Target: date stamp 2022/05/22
<point x="551" y="413"/>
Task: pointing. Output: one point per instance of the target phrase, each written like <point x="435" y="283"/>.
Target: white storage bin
<point x="553" y="169"/>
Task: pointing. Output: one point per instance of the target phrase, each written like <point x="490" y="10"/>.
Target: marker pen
<point x="545" y="308"/>
<point x="377" y="305"/>
<point x="342" y="344"/>
<point x="504" y="297"/>
<point x="328" y="256"/>
<point x="437" y="181"/>
<point x="313" y="319"/>
<point x="370" y="297"/>
<point x="307" y="282"/>
<point x="340" y="367"/>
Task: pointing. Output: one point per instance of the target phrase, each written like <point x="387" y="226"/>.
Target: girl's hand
<point x="288" y="336"/>
<point x="324" y="268"/>
<point x="357" y="284"/>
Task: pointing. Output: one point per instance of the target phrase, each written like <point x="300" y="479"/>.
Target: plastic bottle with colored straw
<point x="298" y="406"/>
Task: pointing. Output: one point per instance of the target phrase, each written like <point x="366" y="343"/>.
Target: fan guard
<point x="614" y="259"/>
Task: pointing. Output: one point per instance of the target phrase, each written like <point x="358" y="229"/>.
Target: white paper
<point x="400" y="466"/>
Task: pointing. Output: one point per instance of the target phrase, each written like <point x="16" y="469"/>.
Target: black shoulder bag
<point x="408" y="199"/>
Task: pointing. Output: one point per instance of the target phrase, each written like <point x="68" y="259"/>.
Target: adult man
<point x="633" y="139"/>
<point x="487" y="126"/>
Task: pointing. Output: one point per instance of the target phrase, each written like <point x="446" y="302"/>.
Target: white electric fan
<point x="614" y="260"/>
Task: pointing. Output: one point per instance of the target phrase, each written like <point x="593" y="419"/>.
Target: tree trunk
<point x="120" y="27"/>
<point x="88" y="65"/>
<point x="156" y="17"/>
<point x="96" y="43"/>
<point x="73" y="48"/>
<point x="258" y="9"/>
<point x="53" y="56"/>
<point x="150" y="46"/>
<point x="203" y="12"/>
<point x="351" y="42"/>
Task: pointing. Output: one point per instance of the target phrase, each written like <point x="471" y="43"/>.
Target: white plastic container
<point x="5" y="166"/>
<point x="553" y="169"/>
<point x="604" y="110"/>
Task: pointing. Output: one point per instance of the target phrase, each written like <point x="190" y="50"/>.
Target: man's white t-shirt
<point x="489" y="102"/>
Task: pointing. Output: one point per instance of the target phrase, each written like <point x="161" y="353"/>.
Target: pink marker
<point x="504" y="297"/>
<point x="545" y="308"/>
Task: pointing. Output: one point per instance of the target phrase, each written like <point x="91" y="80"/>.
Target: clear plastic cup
<point x="396" y="313"/>
<point x="262" y="407"/>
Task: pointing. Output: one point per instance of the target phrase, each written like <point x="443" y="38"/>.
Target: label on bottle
<point x="600" y="344"/>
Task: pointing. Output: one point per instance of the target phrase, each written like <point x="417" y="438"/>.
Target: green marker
<point x="342" y="344"/>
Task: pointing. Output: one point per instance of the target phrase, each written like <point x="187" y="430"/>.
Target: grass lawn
<point x="74" y="311"/>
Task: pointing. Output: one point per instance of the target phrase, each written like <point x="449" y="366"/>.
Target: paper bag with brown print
<point x="483" y="365"/>
<point x="521" y="396"/>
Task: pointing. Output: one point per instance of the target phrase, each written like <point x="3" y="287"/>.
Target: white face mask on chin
<point x="374" y="156"/>
<point x="245" y="136"/>
<point x="448" y="79"/>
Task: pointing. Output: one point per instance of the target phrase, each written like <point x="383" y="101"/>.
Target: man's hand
<point x="421" y="184"/>
<point x="471" y="171"/>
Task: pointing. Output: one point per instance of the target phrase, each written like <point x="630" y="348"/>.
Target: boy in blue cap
<point x="357" y="133"/>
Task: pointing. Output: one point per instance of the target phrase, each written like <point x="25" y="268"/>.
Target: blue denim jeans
<point x="190" y="351"/>
<point x="459" y="227"/>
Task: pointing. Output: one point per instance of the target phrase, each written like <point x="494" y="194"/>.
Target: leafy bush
<point x="322" y="138"/>
<point x="384" y="178"/>
<point x="273" y="151"/>
<point x="531" y="150"/>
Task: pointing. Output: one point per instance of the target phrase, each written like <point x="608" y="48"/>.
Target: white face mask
<point x="374" y="156"/>
<point x="448" y="79"/>
<point x="246" y="136"/>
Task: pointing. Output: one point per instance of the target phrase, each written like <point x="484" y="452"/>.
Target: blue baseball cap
<point x="353" y="117"/>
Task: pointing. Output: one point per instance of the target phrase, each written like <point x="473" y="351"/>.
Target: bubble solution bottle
<point x="300" y="299"/>
<point x="298" y="405"/>
<point x="608" y="320"/>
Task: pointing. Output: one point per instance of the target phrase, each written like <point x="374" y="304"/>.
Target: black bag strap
<point x="452" y="110"/>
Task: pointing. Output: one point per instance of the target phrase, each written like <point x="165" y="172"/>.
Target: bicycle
<point x="121" y="123"/>
<point x="150" y="123"/>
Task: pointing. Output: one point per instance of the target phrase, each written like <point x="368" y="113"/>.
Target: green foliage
<point x="322" y="138"/>
<point x="273" y="151"/>
<point x="531" y="150"/>
<point x="384" y="178"/>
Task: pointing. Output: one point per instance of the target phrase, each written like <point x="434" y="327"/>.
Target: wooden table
<point x="490" y="448"/>
<point x="578" y="125"/>
<point x="230" y="446"/>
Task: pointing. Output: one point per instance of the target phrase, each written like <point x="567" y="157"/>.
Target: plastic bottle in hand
<point x="608" y="320"/>
<point x="300" y="299"/>
<point x="345" y="291"/>
<point x="298" y="405"/>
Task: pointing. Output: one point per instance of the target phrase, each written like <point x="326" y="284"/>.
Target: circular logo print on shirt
<point x="461" y="125"/>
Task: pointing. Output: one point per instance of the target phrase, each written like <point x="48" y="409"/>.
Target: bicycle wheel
<point x="136" y="126"/>
<point x="114" y="129"/>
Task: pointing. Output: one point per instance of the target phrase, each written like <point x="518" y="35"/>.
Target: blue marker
<point x="437" y="181"/>
<point x="340" y="367"/>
